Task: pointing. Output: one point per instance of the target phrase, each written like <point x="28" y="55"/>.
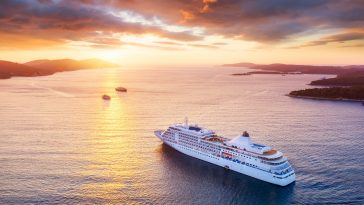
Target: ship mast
<point x="186" y="121"/>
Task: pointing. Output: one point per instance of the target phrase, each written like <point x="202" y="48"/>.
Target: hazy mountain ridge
<point x="47" y="67"/>
<point x="70" y="64"/>
<point x="305" y="69"/>
<point x="9" y="69"/>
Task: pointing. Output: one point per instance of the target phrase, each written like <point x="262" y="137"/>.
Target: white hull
<point x="241" y="168"/>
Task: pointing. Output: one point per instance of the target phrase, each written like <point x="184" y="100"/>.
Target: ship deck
<point x="270" y="152"/>
<point x="222" y="140"/>
<point x="216" y="138"/>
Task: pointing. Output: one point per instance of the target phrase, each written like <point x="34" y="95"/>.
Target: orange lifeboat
<point x="227" y="154"/>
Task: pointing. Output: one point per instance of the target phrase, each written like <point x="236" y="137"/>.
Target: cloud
<point x="264" y="21"/>
<point x="155" y="46"/>
<point x="337" y="38"/>
<point x="220" y="44"/>
<point x="358" y="45"/>
<point x="202" y="45"/>
<point x="270" y="21"/>
<point x="169" y="43"/>
<point x="196" y="45"/>
<point x="73" y="21"/>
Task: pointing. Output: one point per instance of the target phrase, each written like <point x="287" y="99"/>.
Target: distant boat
<point x="106" y="97"/>
<point x="121" y="89"/>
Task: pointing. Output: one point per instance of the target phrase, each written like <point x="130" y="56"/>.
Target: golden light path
<point x="111" y="162"/>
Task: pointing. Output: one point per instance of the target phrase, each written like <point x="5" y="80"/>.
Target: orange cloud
<point x="206" y="8"/>
<point x="186" y="15"/>
<point x="46" y="22"/>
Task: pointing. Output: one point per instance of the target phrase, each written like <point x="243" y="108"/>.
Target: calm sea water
<point x="60" y="143"/>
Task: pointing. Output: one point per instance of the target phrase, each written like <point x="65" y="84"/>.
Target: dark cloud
<point x="258" y="20"/>
<point x="276" y="20"/>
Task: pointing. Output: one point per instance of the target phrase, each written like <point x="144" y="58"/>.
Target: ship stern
<point x="287" y="180"/>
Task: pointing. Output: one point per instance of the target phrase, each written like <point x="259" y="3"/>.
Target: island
<point x="354" y="93"/>
<point x="347" y="79"/>
<point x="48" y="67"/>
<point x="267" y="72"/>
<point x="348" y="85"/>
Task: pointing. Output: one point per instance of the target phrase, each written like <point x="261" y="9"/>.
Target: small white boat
<point x="121" y="89"/>
<point x="106" y="97"/>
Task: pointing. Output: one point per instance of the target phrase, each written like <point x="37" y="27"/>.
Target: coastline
<point x="27" y="76"/>
<point x="327" y="99"/>
<point x="40" y="75"/>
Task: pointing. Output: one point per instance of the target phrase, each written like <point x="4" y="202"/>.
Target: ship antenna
<point x="186" y="121"/>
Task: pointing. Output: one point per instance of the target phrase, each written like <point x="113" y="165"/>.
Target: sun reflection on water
<point x="111" y="161"/>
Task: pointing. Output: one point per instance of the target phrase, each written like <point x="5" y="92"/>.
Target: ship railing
<point x="283" y="172"/>
<point x="274" y="163"/>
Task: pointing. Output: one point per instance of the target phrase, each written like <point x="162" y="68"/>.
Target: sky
<point x="184" y="32"/>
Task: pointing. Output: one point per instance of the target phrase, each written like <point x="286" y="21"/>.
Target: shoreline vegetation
<point x="49" y="67"/>
<point x="322" y="98"/>
<point x="348" y="85"/>
<point x="354" y="93"/>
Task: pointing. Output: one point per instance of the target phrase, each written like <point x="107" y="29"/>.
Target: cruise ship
<point x="239" y="154"/>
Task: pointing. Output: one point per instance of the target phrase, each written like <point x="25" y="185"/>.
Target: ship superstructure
<point x="239" y="154"/>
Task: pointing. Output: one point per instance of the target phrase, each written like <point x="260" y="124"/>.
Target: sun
<point x="109" y="54"/>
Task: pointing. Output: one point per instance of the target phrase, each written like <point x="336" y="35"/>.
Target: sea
<point x="60" y="143"/>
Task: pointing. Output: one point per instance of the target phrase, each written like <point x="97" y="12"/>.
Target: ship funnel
<point x="241" y="141"/>
<point x="245" y="134"/>
<point x="245" y="138"/>
<point x="186" y="121"/>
